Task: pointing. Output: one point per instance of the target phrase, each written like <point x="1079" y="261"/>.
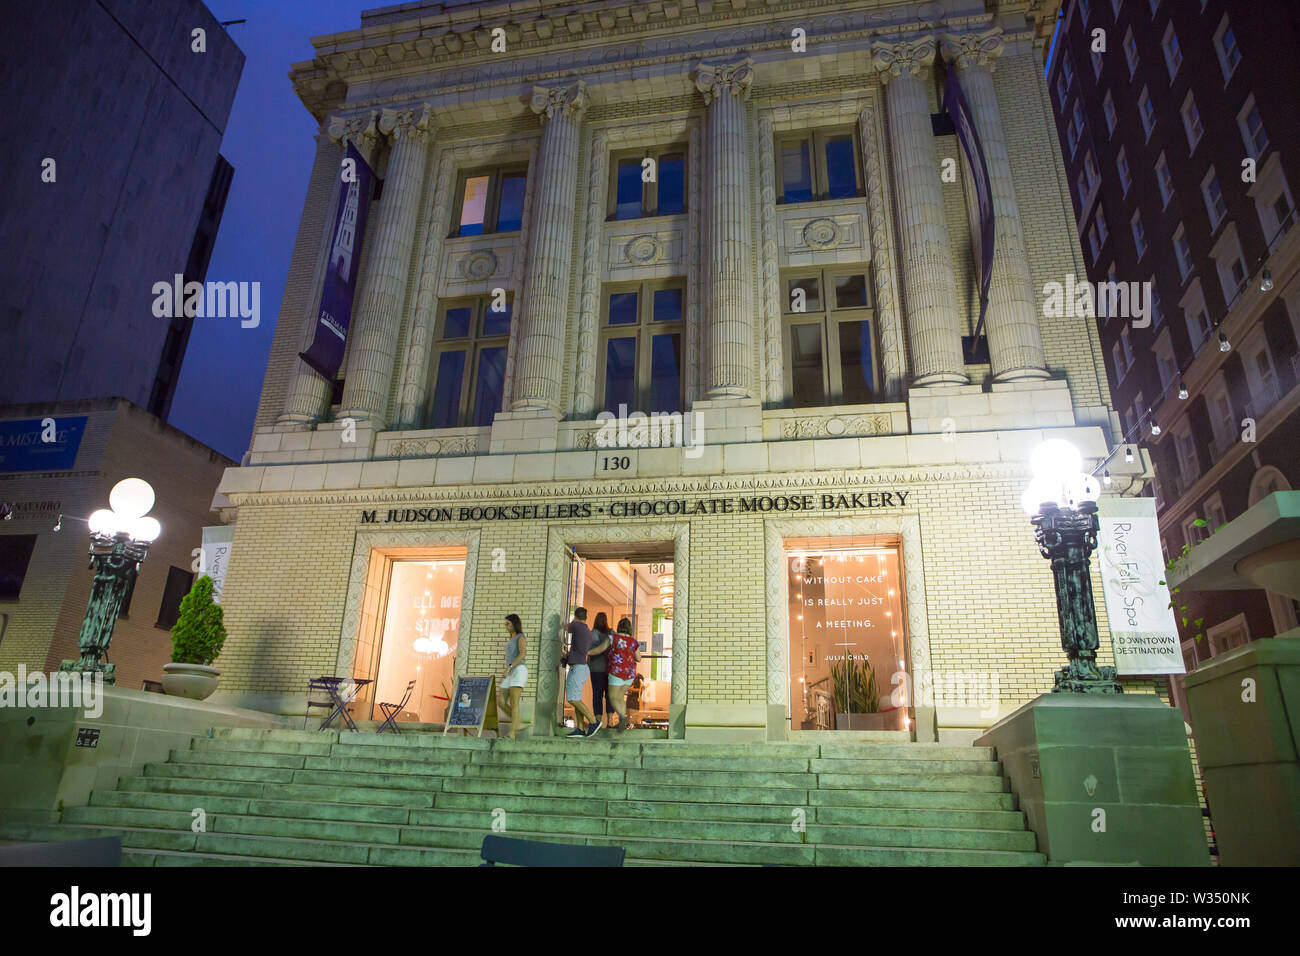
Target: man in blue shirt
<point x="580" y="640"/>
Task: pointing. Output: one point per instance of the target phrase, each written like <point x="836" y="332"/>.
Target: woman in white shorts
<point x="516" y="670"/>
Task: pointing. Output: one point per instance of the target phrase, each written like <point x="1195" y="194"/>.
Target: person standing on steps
<point x="516" y="671"/>
<point x="580" y="637"/>
<point x="624" y="652"/>
<point x="596" y="660"/>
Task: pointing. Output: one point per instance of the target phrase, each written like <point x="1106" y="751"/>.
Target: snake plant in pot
<point x="857" y="696"/>
<point x="197" y="637"/>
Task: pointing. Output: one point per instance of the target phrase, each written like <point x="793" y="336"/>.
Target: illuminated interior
<point x="414" y="611"/>
<point x="641" y="588"/>
<point x="846" y="624"/>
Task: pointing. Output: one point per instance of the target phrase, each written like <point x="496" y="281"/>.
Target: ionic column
<point x="1015" y="341"/>
<point x="307" y="398"/>
<point x="929" y="286"/>
<point x="372" y="353"/>
<point x="539" y="361"/>
<point x="729" y="268"/>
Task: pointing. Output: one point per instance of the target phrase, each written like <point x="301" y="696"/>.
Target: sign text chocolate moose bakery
<point x="641" y="508"/>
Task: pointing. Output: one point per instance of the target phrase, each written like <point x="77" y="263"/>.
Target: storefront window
<point x="848" y="646"/>
<point x="418" y="630"/>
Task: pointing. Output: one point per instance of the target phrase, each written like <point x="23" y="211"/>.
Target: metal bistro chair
<point x="391" y="711"/>
<point x="320" y="694"/>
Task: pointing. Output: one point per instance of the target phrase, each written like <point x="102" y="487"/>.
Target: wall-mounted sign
<point x="216" y="555"/>
<point x="657" y="507"/>
<point x="40" y="444"/>
<point x="88" y="736"/>
<point x="1143" y="633"/>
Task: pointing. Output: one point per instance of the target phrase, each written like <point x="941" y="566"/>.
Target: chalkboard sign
<point x="473" y="704"/>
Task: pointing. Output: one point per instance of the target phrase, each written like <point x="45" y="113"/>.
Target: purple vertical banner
<point x="325" y="354"/>
<point x="954" y="101"/>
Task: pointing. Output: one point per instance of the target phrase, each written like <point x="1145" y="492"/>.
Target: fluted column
<point x="729" y="315"/>
<point x="929" y="286"/>
<point x="539" y="361"/>
<point x="1015" y="341"/>
<point x="372" y="352"/>
<point x="308" y="395"/>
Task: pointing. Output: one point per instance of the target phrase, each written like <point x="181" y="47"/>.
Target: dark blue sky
<point x="270" y="140"/>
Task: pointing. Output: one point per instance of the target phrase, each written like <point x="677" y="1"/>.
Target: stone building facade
<point x="796" y="277"/>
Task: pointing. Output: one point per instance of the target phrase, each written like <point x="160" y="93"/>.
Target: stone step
<point x="843" y="766"/>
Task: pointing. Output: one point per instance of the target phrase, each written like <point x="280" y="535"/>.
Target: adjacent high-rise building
<point x="1177" y="122"/>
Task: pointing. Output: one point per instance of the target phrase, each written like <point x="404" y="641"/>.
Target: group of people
<point x="606" y="658"/>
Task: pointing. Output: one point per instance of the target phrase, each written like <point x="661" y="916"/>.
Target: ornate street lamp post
<point x="119" y="541"/>
<point x="1062" y="503"/>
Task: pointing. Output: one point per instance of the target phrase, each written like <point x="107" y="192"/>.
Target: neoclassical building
<point x="669" y="310"/>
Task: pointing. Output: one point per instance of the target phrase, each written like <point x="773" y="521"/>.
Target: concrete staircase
<point x="299" y="797"/>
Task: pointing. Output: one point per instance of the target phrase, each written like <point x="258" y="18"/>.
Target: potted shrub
<point x="857" y="697"/>
<point x="197" y="637"/>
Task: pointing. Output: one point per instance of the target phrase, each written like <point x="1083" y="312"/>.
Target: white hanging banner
<point x="1143" y="632"/>
<point x="217" y="541"/>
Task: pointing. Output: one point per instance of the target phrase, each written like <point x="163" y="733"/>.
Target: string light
<point x="1266" y="281"/>
<point x="1182" y="390"/>
<point x="1155" y="425"/>
<point x="1224" y="344"/>
<point x="1106" y="478"/>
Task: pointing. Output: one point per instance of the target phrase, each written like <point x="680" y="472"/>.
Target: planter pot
<point x="866" y="721"/>
<point x="195" y="681"/>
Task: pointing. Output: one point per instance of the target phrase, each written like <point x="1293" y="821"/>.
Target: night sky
<point x="270" y="140"/>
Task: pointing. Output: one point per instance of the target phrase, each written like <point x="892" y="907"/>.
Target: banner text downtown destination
<point x="641" y="508"/>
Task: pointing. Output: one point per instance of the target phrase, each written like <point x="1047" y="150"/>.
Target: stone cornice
<point x="715" y="80"/>
<point x="656" y="487"/>
<point x="567" y="99"/>
<point x="433" y="45"/>
<point x="967" y="50"/>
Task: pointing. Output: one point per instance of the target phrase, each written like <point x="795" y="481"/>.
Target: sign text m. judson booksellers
<point x="640" y="508"/>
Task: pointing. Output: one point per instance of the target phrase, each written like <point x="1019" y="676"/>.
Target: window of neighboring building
<point x="1067" y="68"/>
<point x="1108" y="108"/>
<point x="1074" y="131"/>
<point x="647" y="183"/>
<point x="1191" y="122"/>
<point x="1081" y="186"/>
<point x="1197" y="316"/>
<point x="1102" y="231"/>
<point x="1128" y="348"/>
<point x="1139" y="234"/>
<point x="469" y="361"/>
<point x="1225" y="45"/>
<point x="1147" y="112"/>
<point x="1117" y="363"/>
<point x="1164" y="181"/>
<point x="1173" y="52"/>
<point x="1230" y="263"/>
<point x="1157" y="310"/>
<point x="1233" y="632"/>
<point x="1094" y="241"/>
<point x="15" y="555"/>
<point x="179" y="582"/>
<point x="1096" y="64"/>
<point x="1215" y="515"/>
<point x="1165" y="362"/>
<point x="1185" y="447"/>
<point x="1090" y="167"/>
<point x="1252" y="128"/>
<point x="1125" y="175"/>
<point x="1154" y="5"/>
<point x="1130" y="51"/>
<point x="1061" y="92"/>
<point x="820" y="164"/>
<point x="828" y="338"/>
<point x="491" y="200"/>
<point x="1223" y="423"/>
<point x="1215" y="207"/>
<point x="1183" y="251"/>
<point x="641" y="346"/>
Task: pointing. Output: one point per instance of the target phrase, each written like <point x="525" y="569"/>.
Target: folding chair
<point x="322" y="691"/>
<point x="391" y="711"/>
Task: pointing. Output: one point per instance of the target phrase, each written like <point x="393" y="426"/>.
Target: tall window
<point x="648" y="183"/>
<point x="1164" y="180"/>
<point x="821" y="164"/>
<point x="1252" y="129"/>
<point x="1108" y="108"/>
<point x="1147" y="111"/>
<point x="641" y="346"/>
<point x="15" y="555"/>
<point x="1130" y="51"/>
<point x="1213" y="196"/>
<point x="179" y="582"/>
<point x="1173" y="52"/>
<point x="1225" y="45"/>
<point x="491" y="200"/>
<point x="1125" y="175"/>
<point x="1139" y="234"/>
<point x="1192" y="122"/>
<point x="829" y="355"/>
<point x="469" y="360"/>
<point x="1183" y="251"/>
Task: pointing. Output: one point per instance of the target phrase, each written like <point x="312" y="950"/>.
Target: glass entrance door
<point x="639" y="588"/>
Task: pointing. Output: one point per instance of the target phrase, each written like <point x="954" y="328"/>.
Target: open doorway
<point x="636" y="583"/>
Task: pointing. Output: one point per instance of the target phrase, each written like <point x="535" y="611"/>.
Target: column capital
<point x="972" y="49"/>
<point x="912" y="57"/>
<point x="715" y="79"/>
<point x="415" y="123"/>
<point x="568" y="99"/>
<point x="362" y="129"/>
